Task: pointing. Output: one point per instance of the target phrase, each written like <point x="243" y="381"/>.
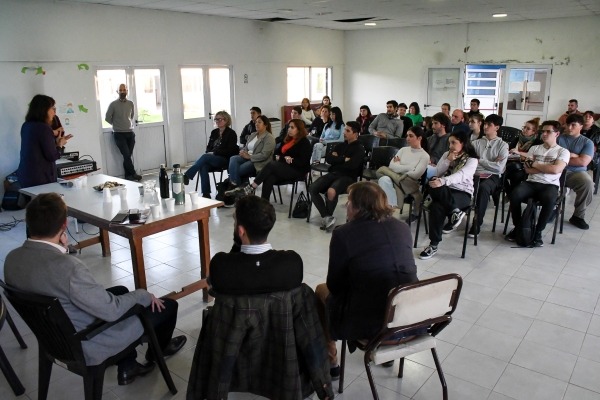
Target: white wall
<point x="389" y="64"/>
<point x="60" y="35"/>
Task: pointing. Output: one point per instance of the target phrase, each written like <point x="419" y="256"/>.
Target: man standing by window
<point x="120" y="116"/>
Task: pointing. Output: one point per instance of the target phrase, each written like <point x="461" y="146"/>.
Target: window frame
<point x="328" y="82"/>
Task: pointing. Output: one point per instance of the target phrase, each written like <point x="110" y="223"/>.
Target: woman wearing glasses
<point x="39" y="147"/>
<point x="515" y="173"/>
<point x="221" y="146"/>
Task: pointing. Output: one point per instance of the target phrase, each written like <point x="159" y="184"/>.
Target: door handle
<point x="210" y="115"/>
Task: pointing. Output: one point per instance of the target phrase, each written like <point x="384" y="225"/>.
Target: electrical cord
<point x="7" y="226"/>
<point x="87" y="233"/>
<point x="87" y="155"/>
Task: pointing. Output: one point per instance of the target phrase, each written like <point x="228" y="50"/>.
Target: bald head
<point x="122" y="92"/>
<point x="457" y="117"/>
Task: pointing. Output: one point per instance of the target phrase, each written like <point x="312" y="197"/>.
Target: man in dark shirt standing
<point x="250" y="128"/>
<point x="346" y="162"/>
<point x="252" y="266"/>
<point x="120" y="115"/>
<point x="475" y="109"/>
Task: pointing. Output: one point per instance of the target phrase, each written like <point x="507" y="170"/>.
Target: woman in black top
<point x="368" y="256"/>
<point x="364" y="119"/>
<point x="292" y="161"/>
<point x="39" y="147"/>
<point x="221" y="146"/>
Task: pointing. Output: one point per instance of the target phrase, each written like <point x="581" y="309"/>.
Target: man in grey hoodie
<point x="387" y="125"/>
<point x="493" y="154"/>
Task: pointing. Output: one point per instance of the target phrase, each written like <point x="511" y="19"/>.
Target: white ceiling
<point x="386" y="13"/>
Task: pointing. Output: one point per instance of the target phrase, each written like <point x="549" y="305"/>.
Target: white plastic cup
<point x="194" y="197"/>
<point x="107" y="195"/>
<point x="155" y="208"/>
<point x="123" y="193"/>
<point x="170" y="204"/>
<point x="83" y="180"/>
<point x="78" y="183"/>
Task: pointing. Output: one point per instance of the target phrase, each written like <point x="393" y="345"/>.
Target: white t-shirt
<point x="252" y="144"/>
<point x="542" y="155"/>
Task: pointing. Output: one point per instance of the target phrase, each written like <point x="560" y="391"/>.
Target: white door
<point x="206" y="90"/>
<point x="526" y="93"/>
<point x="444" y="85"/>
<point x="146" y="90"/>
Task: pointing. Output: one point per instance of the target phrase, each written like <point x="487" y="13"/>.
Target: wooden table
<point x="87" y="205"/>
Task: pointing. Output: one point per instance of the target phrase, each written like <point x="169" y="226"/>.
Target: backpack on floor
<point x="221" y="189"/>
<point x="10" y="200"/>
<point x="525" y="231"/>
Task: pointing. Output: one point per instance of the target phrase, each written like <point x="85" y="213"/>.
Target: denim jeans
<point x="239" y="167"/>
<point x="205" y="164"/>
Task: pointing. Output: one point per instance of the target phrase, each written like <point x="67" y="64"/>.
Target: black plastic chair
<point x="369" y="142"/>
<point x="410" y="200"/>
<point x="59" y="342"/>
<point x="9" y="373"/>
<point x="467" y="210"/>
<point x="213" y="172"/>
<point x="508" y="133"/>
<point x="380" y="157"/>
<point x="498" y="197"/>
<point x="324" y="167"/>
<point x="559" y="207"/>
<point x="294" y="184"/>
<point x="394" y="142"/>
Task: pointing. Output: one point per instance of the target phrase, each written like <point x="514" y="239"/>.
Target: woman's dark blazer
<point x="39" y="153"/>
<point x="300" y="152"/>
<point x="228" y="146"/>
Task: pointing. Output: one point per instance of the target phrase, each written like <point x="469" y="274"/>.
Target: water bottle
<point x="177" y="186"/>
<point x="163" y="182"/>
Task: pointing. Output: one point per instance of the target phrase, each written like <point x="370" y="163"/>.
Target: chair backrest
<point x="329" y="148"/>
<point x="49" y="323"/>
<point x="476" y="180"/>
<point x="382" y="156"/>
<point x="394" y="142"/>
<point x="508" y="133"/>
<point x="369" y="142"/>
<point x="423" y="301"/>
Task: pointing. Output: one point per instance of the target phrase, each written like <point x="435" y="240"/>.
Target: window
<point x="193" y="92"/>
<point x="311" y="82"/>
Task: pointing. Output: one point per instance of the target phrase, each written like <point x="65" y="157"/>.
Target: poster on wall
<point x="65" y="108"/>
<point x="70" y="121"/>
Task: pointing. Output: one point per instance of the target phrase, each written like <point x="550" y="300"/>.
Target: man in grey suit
<point x="42" y="266"/>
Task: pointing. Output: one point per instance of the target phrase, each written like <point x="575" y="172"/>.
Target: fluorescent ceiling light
<point x="370" y="23"/>
<point x="499" y="15"/>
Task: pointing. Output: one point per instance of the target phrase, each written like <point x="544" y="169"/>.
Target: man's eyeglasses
<point x="548" y="131"/>
<point x="219" y="119"/>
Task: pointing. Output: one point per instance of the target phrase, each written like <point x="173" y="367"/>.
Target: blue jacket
<point x="461" y="126"/>
<point x="39" y="153"/>
<point x="331" y="135"/>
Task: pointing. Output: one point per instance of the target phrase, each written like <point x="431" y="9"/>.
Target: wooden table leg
<point x="204" y="254"/>
<point x="105" y="243"/>
<point x="137" y="261"/>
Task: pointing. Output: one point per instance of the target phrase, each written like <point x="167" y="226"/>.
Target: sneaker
<point x="456" y="218"/>
<point x="579" y="222"/>
<point x="323" y="223"/>
<point x="449" y="227"/>
<point x="411" y="218"/>
<point x="538" y="242"/>
<point x="471" y="233"/>
<point x="136" y="177"/>
<point x="329" y="222"/>
<point x="240" y="191"/>
<point x="428" y="252"/>
<point x="511" y="236"/>
<point x="427" y="203"/>
<point x="335" y="373"/>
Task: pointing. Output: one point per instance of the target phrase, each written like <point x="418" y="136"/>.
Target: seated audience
<point x="368" y="256"/>
<point x="387" y="125"/>
<point x="321" y="122"/>
<point x="437" y="143"/>
<point x="364" y="119"/>
<point x="475" y="109"/>
<point x="544" y="164"/>
<point x="493" y="154"/>
<point x="292" y="162"/>
<point x="250" y="128"/>
<point x="42" y="266"/>
<point x="307" y="115"/>
<point x="257" y="153"/>
<point x="571" y="109"/>
<point x="457" y="123"/>
<point x="578" y="180"/>
<point x="346" y="162"/>
<point x="406" y="121"/>
<point x="446" y="109"/>
<point x="295" y="114"/>
<point x="333" y="133"/>
<point x="402" y="177"/>
<point x="40" y="147"/>
<point x="591" y="130"/>
<point x="476" y="126"/>
<point x="222" y="145"/>
<point x="451" y="189"/>
<point x="427" y="126"/>
<point x="253" y="266"/>
<point x="325" y="102"/>
<point x="515" y="172"/>
<point x="414" y="113"/>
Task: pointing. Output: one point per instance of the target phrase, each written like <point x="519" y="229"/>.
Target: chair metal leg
<point x="502" y="205"/>
<point x="88" y="384"/>
<point x="495" y="217"/>
<point x="98" y="376"/>
<point x="342" y="367"/>
<point x="45" y="370"/>
<point x="425" y="223"/>
<point x="440" y="373"/>
<point x="401" y="369"/>
<point x="464" y="249"/>
<point x="562" y="214"/>
<point x="15" y="331"/>
<point x="160" y="360"/>
<point x="9" y="374"/>
<point x="294" y="189"/>
<point x="558" y="213"/>
<point x="507" y="220"/>
<point x="418" y="226"/>
<point x="76" y="225"/>
<point x="198" y="180"/>
<point x="281" y="198"/>
<point x="476" y="231"/>
<point x="367" y="360"/>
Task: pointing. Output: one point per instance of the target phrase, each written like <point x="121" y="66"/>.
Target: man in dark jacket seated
<point x="252" y="266"/>
<point x="368" y="256"/>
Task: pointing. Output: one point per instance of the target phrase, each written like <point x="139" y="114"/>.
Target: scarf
<point x="524" y="142"/>
<point x="457" y="165"/>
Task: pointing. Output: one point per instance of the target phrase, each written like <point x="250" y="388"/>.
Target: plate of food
<point x="108" y="184"/>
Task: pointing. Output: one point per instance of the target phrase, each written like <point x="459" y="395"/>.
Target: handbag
<point x="301" y="207"/>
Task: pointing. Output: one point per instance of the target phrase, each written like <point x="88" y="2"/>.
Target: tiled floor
<point x="527" y="324"/>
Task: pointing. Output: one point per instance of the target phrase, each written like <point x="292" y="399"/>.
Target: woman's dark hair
<point x="298" y="109"/>
<point x="308" y="106"/>
<point x="369" y="115"/>
<point x="464" y="139"/>
<point x="38" y="108"/>
<point x="266" y="121"/>
<point x="427" y="122"/>
<point x="370" y="201"/>
<point x="416" y="106"/>
<point x="302" y="133"/>
<point x="479" y="120"/>
<point x="339" y="118"/>
<point x="420" y="133"/>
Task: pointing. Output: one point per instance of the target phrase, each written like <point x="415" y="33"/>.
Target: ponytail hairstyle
<point x="536" y="124"/>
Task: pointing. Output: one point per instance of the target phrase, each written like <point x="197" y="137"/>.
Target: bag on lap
<point x="301" y="207"/>
<point x="525" y="231"/>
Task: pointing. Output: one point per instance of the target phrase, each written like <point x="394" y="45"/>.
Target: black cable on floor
<point x="7" y="226"/>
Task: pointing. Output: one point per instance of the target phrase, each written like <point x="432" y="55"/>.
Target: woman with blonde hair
<point x="515" y="173"/>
